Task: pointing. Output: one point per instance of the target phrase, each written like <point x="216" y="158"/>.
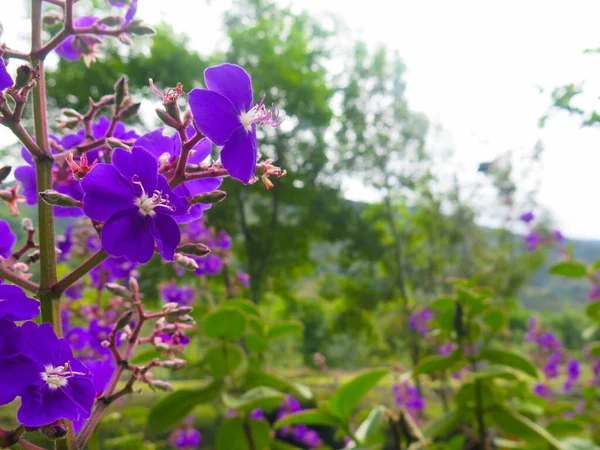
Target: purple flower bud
<point x="527" y="216"/>
<point x="532" y="239"/>
<point x="543" y="391"/>
<point x="256" y="414"/>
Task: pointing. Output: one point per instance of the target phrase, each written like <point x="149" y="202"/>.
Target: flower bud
<point x="68" y="112"/>
<point x="172" y="109"/>
<point x="162" y="385"/>
<point x="163" y="347"/>
<point x="4" y="172"/>
<point x="194" y="248"/>
<point x="24" y="76"/>
<point x="125" y="39"/>
<point x="121" y="91"/>
<point x="33" y="257"/>
<point x="54" y="431"/>
<point x="53" y="197"/>
<point x="173" y="364"/>
<point x="179" y="315"/>
<point x="130" y="111"/>
<point x="170" y="306"/>
<point x="124" y="320"/>
<point x="116" y="143"/>
<point x="166" y="118"/>
<point x="133" y="285"/>
<point x="118" y="290"/>
<point x="111" y="21"/>
<point x="208" y="197"/>
<point x="27" y="225"/>
<point x="69" y="123"/>
<point x="185" y="261"/>
<point x="137" y="28"/>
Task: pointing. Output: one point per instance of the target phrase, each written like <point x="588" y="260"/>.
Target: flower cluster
<point x="534" y="238"/>
<point x="299" y="433"/>
<point x="185" y="437"/>
<point x="419" y="320"/>
<point x="407" y="395"/>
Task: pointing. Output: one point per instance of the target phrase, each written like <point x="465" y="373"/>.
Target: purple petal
<point x="127" y="233"/>
<point x="81" y="392"/>
<point x="67" y="49"/>
<point x="41" y="344"/>
<point x="178" y="204"/>
<point x="203" y="185"/>
<point x="26" y="175"/>
<point x="131" y="11"/>
<point x="15" y="305"/>
<point x="5" y="79"/>
<point x="167" y="234"/>
<point x="215" y="115"/>
<point x="106" y="192"/>
<point x="123" y="161"/>
<point x="16" y="373"/>
<point x="100" y="127"/>
<point x="146" y="168"/>
<point x="231" y="81"/>
<point x="240" y="153"/>
<point x="10" y="343"/>
<point x="7" y="240"/>
<point x="158" y="144"/>
<point x="72" y="140"/>
<point x="41" y="406"/>
<point x="200" y="152"/>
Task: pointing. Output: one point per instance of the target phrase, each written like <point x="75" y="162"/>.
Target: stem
<point x="23" y="136"/>
<point x="248" y="433"/>
<point x="60" y="286"/>
<point x="9" y="275"/>
<point x="103" y="402"/>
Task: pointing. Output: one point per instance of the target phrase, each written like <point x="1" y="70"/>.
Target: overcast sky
<point x="475" y="68"/>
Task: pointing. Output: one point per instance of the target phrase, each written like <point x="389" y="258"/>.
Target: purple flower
<point x="78" y="338"/>
<point x="299" y="431"/>
<point x="15" y="305"/>
<point x="551" y="370"/>
<point x="136" y="203"/>
<point x="243" y="278"/>
<point x="51" y="383"/>
<point x="527" y="216"/>
<point x="557" y="236"/>
<point x="166" y="150"/>
<point x="573" y="370"/>
<point x="5" y="79"/>
<point x="542" y="390"/>
<point x="548" y="342"/>
<point x="311" y="438"/>
<point x="225" y="114"/>
<point x="594" y="292"/>
<point x="446" y="349"/>
<point x="75" y="291"/>
<point x="7" y="239"/>
<point x="186" y="439"/>
<point x="208" y="265"/>
<point x="97" y="334"/>
<point x="183" y="295"/>
<point x="419" y="320"/>
<point x="256" y="414"/>
<point x="408" y="396"/>
<point x="224" y="240"/>
<point x="64" y="243"/>
<point x="532" y="239"/>
<point x="111" y="269"/>
<point x="290" y="404"/>
<point x="74" y="47"/>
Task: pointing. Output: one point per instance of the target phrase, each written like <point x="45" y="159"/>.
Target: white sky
<point x="474" y="67"/>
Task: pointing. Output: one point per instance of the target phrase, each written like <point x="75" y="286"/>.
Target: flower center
<point x="56" y="377"/>
<point x="148" y="204"/>
<point x="260" y="115"/>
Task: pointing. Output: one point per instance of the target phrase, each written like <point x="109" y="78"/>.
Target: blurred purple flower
<point x="527" y="216"/>
<point x="532" y="239"/>
<point x="256" y="414"/>
<point x="5" y="79"/>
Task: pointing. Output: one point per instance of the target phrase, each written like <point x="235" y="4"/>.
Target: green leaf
<point x="594" y="349"/>
<point x="510" y="359"/>
<point x="520" y="426"/>
<point x="280" y="445"/>
<point x="223" y="359"/>
<point x="570" y="269"/>
<point x="574" y="443"/>
<point x="224" y="323"/>
<point x="592" y="310"/>
<point x="255" y="343"/>
<point x="171" y="410"/>
<point x="260" y="397"/>
<point x="443" y="303"/>
<point x="245" y="305"/>
<point x="309" y="417"/>
<point x="435" y="363"/>
<point x="564" y="427"/>
<point x="233" y="434"/>
<point x="145" y="356"/>
<point x="371" y="424"/>
<point x="128" y="441"/>
<point x="494" y="319"/>
<point x="445" y="424"/>
<point x="256" y="378"/>
<point x="506" y="444"/>
<point x="284" y="327"/>
<point x="350" y="394"/>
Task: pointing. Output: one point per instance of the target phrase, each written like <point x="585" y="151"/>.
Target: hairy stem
<point x="60" y="286"/>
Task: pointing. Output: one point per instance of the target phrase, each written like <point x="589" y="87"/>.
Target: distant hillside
<point x="548" y="292"/>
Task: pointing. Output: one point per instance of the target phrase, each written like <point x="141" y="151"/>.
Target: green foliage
<point x="344" y="401"/>
<point x="224" y="323"/>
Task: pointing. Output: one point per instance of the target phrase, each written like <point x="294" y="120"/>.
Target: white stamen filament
<point x="57" y="377"/>
<point x="148" y="204"/>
